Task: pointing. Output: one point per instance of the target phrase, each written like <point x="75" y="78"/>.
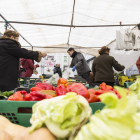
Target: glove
<point x="74" y="68"/>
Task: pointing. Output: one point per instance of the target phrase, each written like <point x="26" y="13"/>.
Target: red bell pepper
<point x="102" y="86"/>
<point x="36" y="89"/>
<point x="35" y="96"/>
<point x="60" y="90"/>
<point x="109" y="87"/>
<point x="44" y="86"/>
<point x="17" y="96"/>
<point x="91" y="91"/>
<point x="80" y="89"/>
<point x="92" y="98"/>
<point x="99" y="92"/>
<point x="69" y="88"/>
<point x="62" y="81"/>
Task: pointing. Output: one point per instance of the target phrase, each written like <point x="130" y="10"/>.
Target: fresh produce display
<point x="118" y="120"/>
<point x="47" y="91"/>
<point x="63" y="115"/>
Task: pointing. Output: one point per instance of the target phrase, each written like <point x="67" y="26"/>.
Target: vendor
<point x="103" y="67"/>
<point x="79" y="63"/>
<point x="10" y="52"/>
<point x="57" y="69"/>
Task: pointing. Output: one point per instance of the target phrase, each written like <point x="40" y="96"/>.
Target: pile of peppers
<point x="62" y="88"/>
<point x="24" y="96"/>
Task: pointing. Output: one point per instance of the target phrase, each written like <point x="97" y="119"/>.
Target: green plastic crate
<point x="96" y="106"/>
<point x="127" y="84"/>
<point x="18" y="112"/>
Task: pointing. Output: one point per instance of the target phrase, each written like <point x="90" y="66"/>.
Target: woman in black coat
<point x="10" y="52"/>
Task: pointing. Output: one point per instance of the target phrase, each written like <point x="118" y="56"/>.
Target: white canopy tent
<point x="57" y="39"/>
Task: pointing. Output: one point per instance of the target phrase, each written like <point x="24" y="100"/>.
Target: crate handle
<point x="25" y="110"/>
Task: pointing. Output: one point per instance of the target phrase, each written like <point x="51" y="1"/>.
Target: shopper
<point x="28" y="64"/>
<point x="79" y="63"/>
<point x="10" y="52"/>
<point x="57" y="69"/>
<point x="103" y="67"/>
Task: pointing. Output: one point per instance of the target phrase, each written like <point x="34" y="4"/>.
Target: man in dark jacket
<point x="10" y="52"/>
<point x="57" y="69"/>
<point x="79" y="63"/>
<point x="103" y="67"/>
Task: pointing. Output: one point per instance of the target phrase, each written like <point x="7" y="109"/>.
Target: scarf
<point x="74" y="54"/>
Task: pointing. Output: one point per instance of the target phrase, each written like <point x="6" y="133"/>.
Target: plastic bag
<point x="68" y="73"/>
<point x="120" y="44"/>
<point x="136" y="33"/>
<point x="54" y="79"/>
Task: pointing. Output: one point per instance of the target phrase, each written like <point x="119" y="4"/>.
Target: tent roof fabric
<point x="86" y="12"/>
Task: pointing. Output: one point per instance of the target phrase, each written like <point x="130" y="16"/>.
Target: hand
<point x="36" y="65"/>
<point x="74" y="68"/>
<point x="44" y="55"/>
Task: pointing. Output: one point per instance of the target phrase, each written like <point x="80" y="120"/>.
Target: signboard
<point x="49" y="63"/>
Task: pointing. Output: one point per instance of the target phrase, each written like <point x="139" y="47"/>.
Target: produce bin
<point x="19" y="112"/>
<point x="127" y="84"/>
<point x="96" y="106"/>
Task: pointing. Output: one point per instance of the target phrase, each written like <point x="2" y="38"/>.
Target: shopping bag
<point x="68" y="73"/>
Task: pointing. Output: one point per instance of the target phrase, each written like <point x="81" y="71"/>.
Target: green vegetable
<point x="7" y="93"/>
<point x="136" y="87"/>
<point x="118" y="120"/>
<point x="62" y="115"/>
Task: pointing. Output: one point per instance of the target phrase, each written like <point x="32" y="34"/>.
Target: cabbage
<point x="118" y="120"/>
<point x="136" y="87"/>
<point x="62" y="115"/>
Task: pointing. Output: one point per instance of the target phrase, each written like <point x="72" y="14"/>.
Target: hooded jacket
<point x="10" y="52"/>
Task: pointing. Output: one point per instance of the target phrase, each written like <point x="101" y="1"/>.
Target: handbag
<point x="35" y="71"/>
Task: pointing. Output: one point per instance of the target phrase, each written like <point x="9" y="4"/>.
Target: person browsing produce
<point x="103" y="67"/>
<point x="28" y="64"/>
<point x="10" y="52"/>
<point x="57" y="69"/>
<point x="79" y="63"/>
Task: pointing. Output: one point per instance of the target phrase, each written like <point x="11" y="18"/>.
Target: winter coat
<point x="10" y="52"/>
<point x="80" y="63"/>
<point x="29" y="66"/>
<point x="103" y="68"/>
<point x="57" y="70"/>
